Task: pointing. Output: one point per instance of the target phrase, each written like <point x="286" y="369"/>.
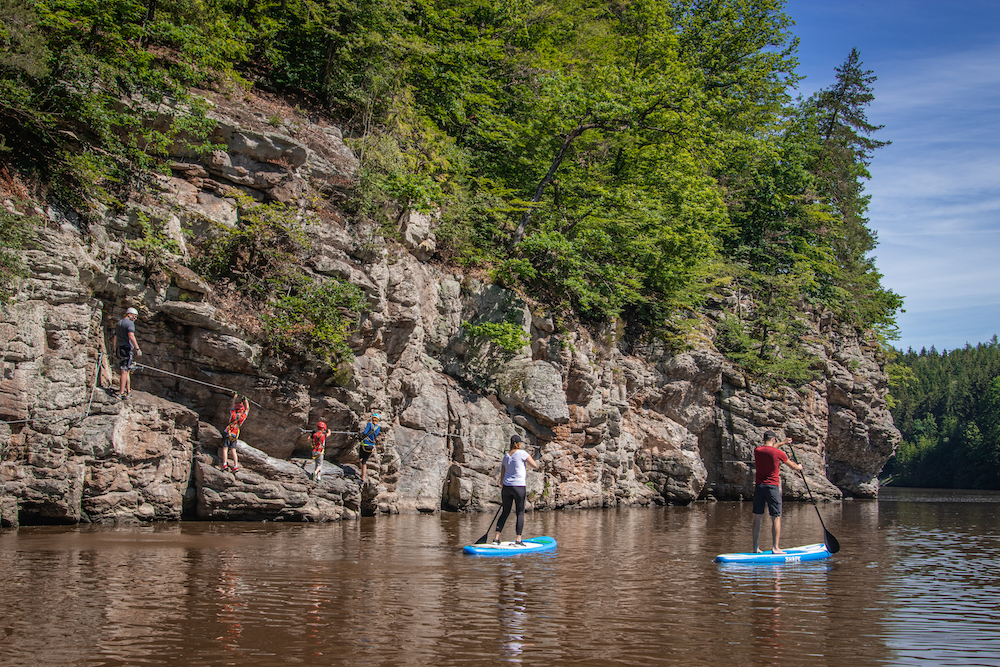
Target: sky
<point x="936" y="190"/>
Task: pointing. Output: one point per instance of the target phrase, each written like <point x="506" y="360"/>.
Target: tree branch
<point x="575" y="134"/>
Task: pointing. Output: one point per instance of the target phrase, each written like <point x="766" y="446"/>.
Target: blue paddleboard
<point x="534" y="545"/>
<point x="795" y="555"/>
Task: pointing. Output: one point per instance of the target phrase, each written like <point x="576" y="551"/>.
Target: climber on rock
<point x="369" y="434"/>
<point x="126" y="348"/>
<point x="238" y="412"/>
<point x="319" y="446"/>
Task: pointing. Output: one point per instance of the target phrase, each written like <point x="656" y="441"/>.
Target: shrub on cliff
<point x="318" y="317"/>
<point x="13" y="235"/>
<point x="290" y="310"/>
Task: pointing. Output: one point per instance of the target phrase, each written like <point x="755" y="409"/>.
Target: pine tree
<point x="949" y="415"/>
<point x="841" y="166"/>
<point x="847" y="148"/>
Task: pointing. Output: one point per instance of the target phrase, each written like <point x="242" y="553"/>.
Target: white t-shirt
<point x="514" y="472"/>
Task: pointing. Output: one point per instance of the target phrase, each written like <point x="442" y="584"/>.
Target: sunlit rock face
<point x="609" y="424"/>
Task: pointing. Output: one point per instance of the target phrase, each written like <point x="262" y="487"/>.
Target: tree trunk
<point x="540" y="190"/>
<point x="150" y="17"/>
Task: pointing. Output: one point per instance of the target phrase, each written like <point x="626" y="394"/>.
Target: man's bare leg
<point x="776" y="534"/>
<point x="757" y="518"/>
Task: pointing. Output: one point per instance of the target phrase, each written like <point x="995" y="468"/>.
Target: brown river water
<point x="917" y="581"/>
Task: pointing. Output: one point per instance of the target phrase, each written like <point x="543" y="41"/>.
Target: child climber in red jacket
<point x="319" y="446"/>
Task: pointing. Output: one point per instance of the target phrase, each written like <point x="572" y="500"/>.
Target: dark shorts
<point x="365" y="455"/>
<point x="767" y="494"/>
<point x="125" y="358"/>
<point x="229" y="440"/>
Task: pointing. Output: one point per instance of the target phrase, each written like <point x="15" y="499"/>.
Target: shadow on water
<point x="625" y="586"/>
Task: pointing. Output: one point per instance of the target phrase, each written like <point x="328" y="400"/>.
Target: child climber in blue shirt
<point x="369" y="433"/>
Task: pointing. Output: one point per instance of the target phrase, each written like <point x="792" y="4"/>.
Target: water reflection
<point x="512" y="610"/>
<point x="775" y="598"/>
<point x="945" y="587"/>
<point x="631" y="587"/>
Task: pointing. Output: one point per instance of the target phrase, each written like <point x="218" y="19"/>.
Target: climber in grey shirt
<point x="126" y="347"/>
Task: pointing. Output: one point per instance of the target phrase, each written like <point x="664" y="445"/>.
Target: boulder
<point x="227" y="352"/>
<point x="536" y="387"/>
<point x="269" y="489"/>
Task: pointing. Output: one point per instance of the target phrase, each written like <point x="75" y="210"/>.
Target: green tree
<point x="985" y="449"/>
<point x="22" y="45"/>
<point x="947" y="412"/>
<point x="13" y="238"/>
<point x="840" y="167"/>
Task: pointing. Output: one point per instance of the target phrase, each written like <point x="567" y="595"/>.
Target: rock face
<point x="609" y="428"/>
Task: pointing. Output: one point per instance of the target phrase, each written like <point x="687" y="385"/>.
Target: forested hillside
<point x="614" y="161"/>
<point x="947" y="406"/>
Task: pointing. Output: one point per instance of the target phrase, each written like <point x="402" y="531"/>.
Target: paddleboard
<point x="795" y="555"/>
<point x="534" y="545"/>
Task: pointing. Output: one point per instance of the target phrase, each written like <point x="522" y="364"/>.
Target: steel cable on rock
<point x="403" y="457"/>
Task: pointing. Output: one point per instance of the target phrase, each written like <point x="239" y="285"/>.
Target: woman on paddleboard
<point x="513" y="477"/>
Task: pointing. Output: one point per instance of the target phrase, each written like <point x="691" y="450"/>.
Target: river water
<point x="916" y="582"/>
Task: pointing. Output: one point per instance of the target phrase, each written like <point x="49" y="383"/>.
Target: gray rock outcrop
<point x="610" y="425"/>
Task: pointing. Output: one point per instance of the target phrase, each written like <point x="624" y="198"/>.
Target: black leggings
<point x="512" y="495"/>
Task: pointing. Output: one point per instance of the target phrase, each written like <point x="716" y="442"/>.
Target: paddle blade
<point x="832" y="545"/>
<point x="486" y="536"/>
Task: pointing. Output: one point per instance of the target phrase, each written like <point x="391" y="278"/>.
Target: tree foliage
<point x="947" y="406"/>
<point x="13" y="237"/>
<point x="612" y="160"/>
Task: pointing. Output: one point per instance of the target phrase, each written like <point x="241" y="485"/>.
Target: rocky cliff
<point x="614" y="424"/>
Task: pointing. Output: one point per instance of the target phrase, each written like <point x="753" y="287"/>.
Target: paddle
<point x="831" y="542"/>
<point x="486" y="536"/>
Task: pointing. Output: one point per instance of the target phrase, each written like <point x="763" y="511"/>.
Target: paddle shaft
<point x="831" y="542"/>
<point x="486" y="536"/>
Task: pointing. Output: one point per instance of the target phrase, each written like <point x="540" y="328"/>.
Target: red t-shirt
<point x="767" y="460"/>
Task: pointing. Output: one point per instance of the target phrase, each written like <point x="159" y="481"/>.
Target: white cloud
<point x="936" y="194"/>
<point x="936" y="190"/>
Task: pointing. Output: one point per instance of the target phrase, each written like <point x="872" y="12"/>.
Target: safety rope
<point x="207" y="384"/>
<point x="44" y="419"/>
<point x="97" y="372"/>
<point x="227" y="390"/>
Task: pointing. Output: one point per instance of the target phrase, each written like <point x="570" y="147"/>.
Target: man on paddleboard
<point x="767" y="487"/>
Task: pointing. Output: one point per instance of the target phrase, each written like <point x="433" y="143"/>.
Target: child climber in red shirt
<point x="238" y="411"/>
<point x="319" y="446"/>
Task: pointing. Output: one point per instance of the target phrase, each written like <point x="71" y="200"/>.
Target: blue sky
<point x="936" y="190"/>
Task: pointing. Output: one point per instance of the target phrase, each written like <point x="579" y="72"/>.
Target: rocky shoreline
<point x="614" y="426"/>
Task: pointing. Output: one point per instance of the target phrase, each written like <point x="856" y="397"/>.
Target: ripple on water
<point x="915" y="582"/>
